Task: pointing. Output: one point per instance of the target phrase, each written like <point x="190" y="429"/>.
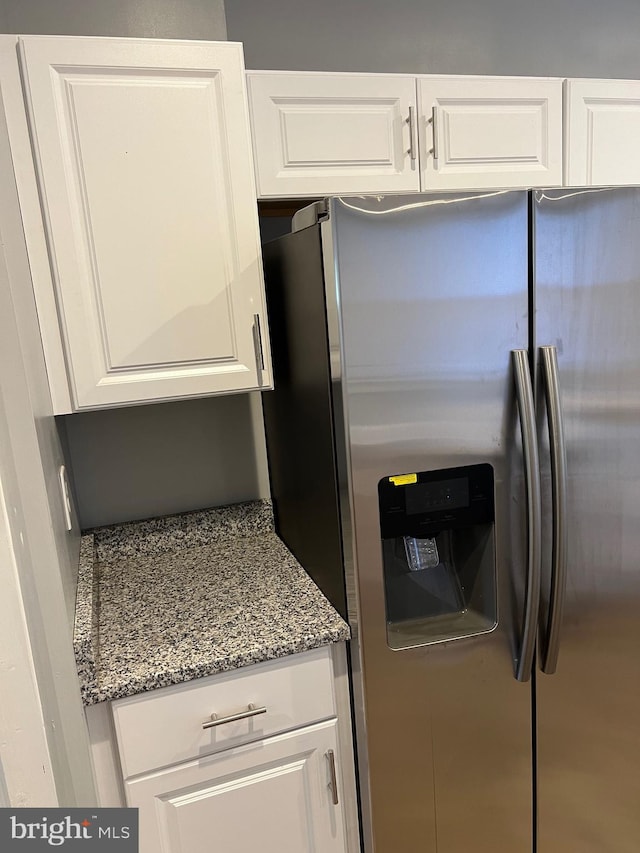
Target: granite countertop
<point x="171" y="599"/>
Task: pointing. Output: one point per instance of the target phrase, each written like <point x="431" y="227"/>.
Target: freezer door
<point x="433" y="297"/>
<point x="587" y="271"/>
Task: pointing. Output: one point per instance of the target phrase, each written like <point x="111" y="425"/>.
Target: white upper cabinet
<point x="478" y="132"/>
<point x="602" y="126"/>
<point x="334" y="134"/>
<point x="327" y="134"/>
<point x="144" y="165"/>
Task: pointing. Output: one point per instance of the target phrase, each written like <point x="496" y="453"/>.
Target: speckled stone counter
<point x="168" y="600"/>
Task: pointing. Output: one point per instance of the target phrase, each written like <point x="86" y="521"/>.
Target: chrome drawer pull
<point x="251" y="711"/>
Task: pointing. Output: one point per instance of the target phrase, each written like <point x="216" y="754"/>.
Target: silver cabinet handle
<point x="333" y="782"/>
<point x="412" y="145"/>
<point x="524" y="395"/>
<point x="434" y="131"/>
<point x="257" y="345"/>
<point x="559" y="499"/>
<point x="252" y="711"/>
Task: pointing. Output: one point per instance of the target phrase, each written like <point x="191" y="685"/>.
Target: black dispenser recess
<point x="438" y="549"/>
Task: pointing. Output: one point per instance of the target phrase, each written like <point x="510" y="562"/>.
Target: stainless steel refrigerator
<point x="454" y="451"/>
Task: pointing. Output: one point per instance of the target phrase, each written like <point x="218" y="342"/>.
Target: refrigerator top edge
<point x="377" y="205"/>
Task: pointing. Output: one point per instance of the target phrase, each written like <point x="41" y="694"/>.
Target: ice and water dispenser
<point x="438" y="549"/>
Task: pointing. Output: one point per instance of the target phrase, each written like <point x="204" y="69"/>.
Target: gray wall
<point x="163" y="458"/>
<point x="188" y="19"/>
<point x="565" y="38"/>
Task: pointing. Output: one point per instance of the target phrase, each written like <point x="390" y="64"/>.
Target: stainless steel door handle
<point x="257" y="344"/>
<point x="333" y="781"/>
<point x="434" y="130"/>
<point x="252" y="711"/>
<point x="412" y="145"/>
<point x="524" y="396"/>
<point x="559" y="499"/>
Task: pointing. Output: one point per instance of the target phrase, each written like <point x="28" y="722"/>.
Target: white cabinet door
<point x="478" y="132"/>
<point x="602" y="125"/>
<point x="333" y="134"/>
<point x="274" y="796"/>
<point x="144" y="161"/>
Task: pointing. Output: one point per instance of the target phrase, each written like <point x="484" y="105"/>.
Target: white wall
<point x="46" y="556"/>
<point x="565" y="38"/>
<point x="26" y="775"/>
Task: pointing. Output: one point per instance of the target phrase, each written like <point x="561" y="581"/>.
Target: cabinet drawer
<point x="165" y="726"/>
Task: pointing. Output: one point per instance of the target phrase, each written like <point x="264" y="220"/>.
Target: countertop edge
<point x="85" y="635"/>
<point x="105" y="693"/>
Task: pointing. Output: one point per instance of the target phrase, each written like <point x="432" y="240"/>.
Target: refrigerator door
<point x="587" y="271"/>
<point x="432" y="292"/>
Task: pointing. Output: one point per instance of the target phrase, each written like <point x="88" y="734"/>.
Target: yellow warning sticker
<point x="403" y="479"/>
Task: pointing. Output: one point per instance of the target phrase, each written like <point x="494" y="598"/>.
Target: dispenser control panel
<point x="426" y="502"/>
<point x="441" y="494"/>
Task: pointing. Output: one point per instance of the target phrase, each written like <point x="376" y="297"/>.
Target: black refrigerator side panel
<point x="298" y="414"/>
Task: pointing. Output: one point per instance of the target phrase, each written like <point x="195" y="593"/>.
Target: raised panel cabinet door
<point x="602" y="126"/>
<point x="478" y="132"/>
<point x="332" y="134"/>
<point x="274" y="796"/>
<point x="143" y="156"/>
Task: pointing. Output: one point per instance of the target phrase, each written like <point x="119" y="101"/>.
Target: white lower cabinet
<point x="259" y="758"/>
<point x="275" y="796"/>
